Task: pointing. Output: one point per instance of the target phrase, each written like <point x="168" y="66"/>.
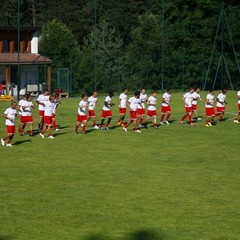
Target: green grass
<point x="176" y="182"/>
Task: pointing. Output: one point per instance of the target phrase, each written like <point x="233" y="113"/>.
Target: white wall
<point x="34" y="43"/>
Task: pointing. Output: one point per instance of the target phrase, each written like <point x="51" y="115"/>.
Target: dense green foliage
<point x="152" y="43"/>
<point x="173" y="183"/>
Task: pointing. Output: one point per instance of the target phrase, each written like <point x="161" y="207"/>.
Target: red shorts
<point x="239" y="107"/>
<point x="220" y="109"/>
<point x="122" y="111"/>
<point x="141" y="111"/>
<point x="166" y="109"/>
<point x="106" y="114"/>
<point x="10" y="129"/>
<point x="26" y="119"/>
<point x="41" y="113"/>
<point x="81" y="118"/>
<point x="48" y="120"/>
<point x="91" y="113"/>
<point x="210" y="112"/>
<point x="133" y="115"/>
<point x="188" y="109"/>
<point x="152" y="113"/>
<point x="194" y="107"/>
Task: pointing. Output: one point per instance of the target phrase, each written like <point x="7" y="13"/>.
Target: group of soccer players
<point x="136" y="106"/>
<point x="47" y="116"/>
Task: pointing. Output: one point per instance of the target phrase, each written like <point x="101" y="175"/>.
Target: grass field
<point x="172" y="183"/>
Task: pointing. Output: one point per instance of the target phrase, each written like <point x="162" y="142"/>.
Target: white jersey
<point x="42" y="99"/>
<point x="196" y="96"/>
<point x="92" y="101"/>
<point x="20" y="104"/>
<point x="27" y="111"/>
<point x="143" y="98"/>
<point x="108" y="101"/>
<point x="49" y="108"/>
<point x="134" y="103"/>
<point x="166" y="99"/>
<point x="221" y="98"/>
<point x="152" y="102"/>
<point x="188" y="97"/>
<point x="209" y="101"/>
<point x="11" y="113"/>
<point x="123" y="100"/>
<point x="82" y="108"/>
<point x="238" y="94"/>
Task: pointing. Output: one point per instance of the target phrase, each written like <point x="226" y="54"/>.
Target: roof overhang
<point x="23" y="59"/>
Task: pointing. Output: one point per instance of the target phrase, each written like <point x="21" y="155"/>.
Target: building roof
<point x="24" y="59"/>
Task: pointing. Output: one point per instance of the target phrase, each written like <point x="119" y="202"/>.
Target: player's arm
<point x="6" y="116"/>
<point x="201" y="100"/>
<point x="164" y="101"/>
<point x="183" y="98"/>
<point x="40" y="103"/>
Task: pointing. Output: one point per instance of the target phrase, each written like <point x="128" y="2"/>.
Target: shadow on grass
<point x="5" y="237"/>
<point x="59" y="134"/>
<point x="138" y="235"/>
<point x="147" y="235"/>
<point x="18" y="143"/>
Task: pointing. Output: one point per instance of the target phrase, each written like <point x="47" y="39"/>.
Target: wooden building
<point x="28" y="61"/>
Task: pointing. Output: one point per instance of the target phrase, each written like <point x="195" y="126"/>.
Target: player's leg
<point x="155" y="121"/>
<point x="168" y="116"/>
<point x="84" y="126"/>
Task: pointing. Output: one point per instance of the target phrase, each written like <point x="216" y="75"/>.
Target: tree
<point x="109" y="57"/>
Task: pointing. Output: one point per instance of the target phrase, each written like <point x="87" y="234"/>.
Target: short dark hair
<point x="83" y="95"/>
<point x="137" y="93"/>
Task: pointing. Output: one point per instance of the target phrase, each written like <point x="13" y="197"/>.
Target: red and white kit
<point x="26" y="113"/>
<point x="82" y="111"/>
<point x="10" y="124"/>
<point x="166" y="103"/>
<point x="152" y="111"/>
<point x="195" y="96"/>
<point x="106" y="110"/>
<point x="188" y="97"/>
<point x="42" y="99"/>
<point x="123" y="103"/>
<point x="92" y="101"/>
<point x="133" y="104"/>
<point x="141" y="108"/>
<point x="209" y="105"/>
<point x="48" y="112"/>
<point x="221" y="102"/>
<point x="238" y="94"/>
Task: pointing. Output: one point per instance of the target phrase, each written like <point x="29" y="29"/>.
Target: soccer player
<point x="122" y="106"/>
<point x="210" y="112"/>
<point x="82" y="116"/>
<point x="48" y="117"/>
<point x="42" y="98"/>
<point x="237" y="116"/>
<point x="152" y="111"/>
<point x="20" y="104"/>
<point x="133" y="104"/>
<point x="10" y="114"/>
<point x="166" y="108"/>
<point x="92" y="102"/>
<point x="106" y="111"/>
<point x="56" y="103"/>
<point x="196" y="96"/>
<point x="26" y="115"/>
<point x="141" y="107"/>
<point x="187" y="99"/>
<point x="221" y="101"/>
